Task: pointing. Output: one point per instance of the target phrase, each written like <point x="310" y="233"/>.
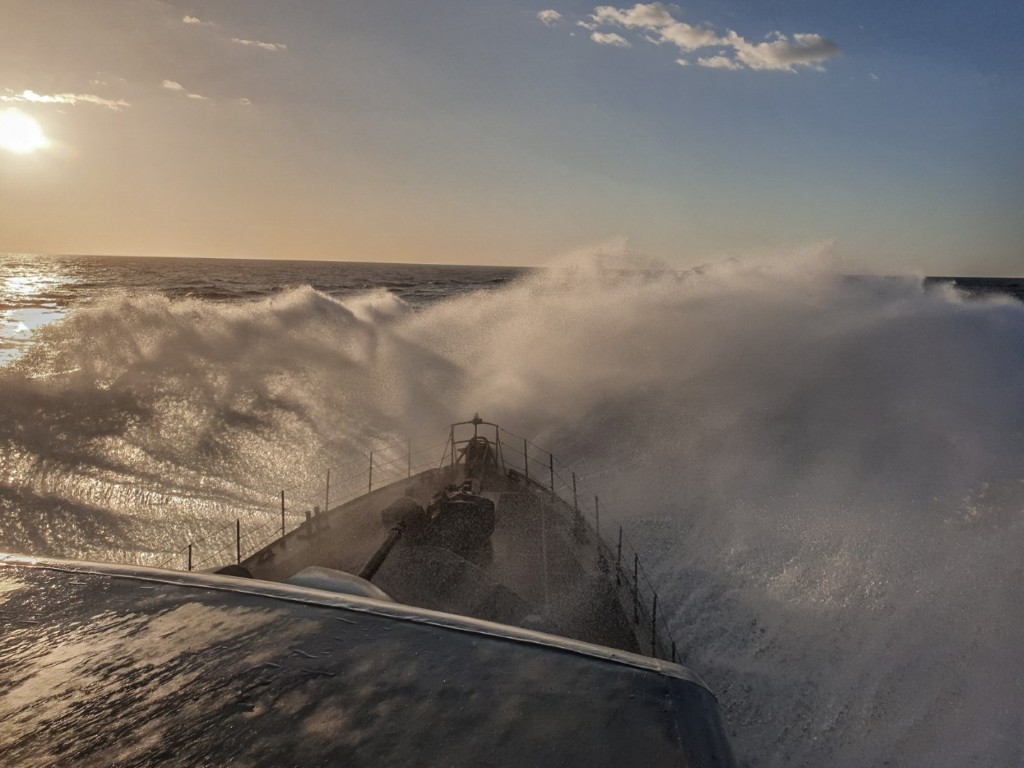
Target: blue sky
<point x="504" y="132"/>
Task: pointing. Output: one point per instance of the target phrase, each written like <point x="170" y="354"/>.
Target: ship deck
<point x="541" y="571"/>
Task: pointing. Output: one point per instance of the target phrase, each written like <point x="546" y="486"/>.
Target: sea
<point x="824" y="473"/>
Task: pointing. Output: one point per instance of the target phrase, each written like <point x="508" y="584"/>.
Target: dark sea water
<point x="36" y="289"/>
<point x="827" y="473"/>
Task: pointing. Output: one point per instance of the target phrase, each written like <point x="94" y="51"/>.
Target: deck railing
<point x="590" y="521"/>
<point x="262" y="524"/>
<point x="581" y="510"/>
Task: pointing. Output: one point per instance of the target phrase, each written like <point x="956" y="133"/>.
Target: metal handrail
<point x="229" y="543"/>
<point x="623" y="556"/>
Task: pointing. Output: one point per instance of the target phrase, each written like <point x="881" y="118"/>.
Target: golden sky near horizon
<point x="495" y="132"/>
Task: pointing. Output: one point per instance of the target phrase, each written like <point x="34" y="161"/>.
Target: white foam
<point x="827" y="470"/>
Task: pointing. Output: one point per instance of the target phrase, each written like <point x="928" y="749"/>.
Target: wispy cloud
<point x="70" y="99"/>
<point x="726" y="50"/>
<point x="176" y="87"/>
<point x="549" y="18"/>
<point x="275" y="47"/>
<point x="260" y="44"/>
<point x="718" y="62"/>
<point x="610" y="38"/>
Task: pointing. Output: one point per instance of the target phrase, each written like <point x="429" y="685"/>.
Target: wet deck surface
<point x="539" y="572"/>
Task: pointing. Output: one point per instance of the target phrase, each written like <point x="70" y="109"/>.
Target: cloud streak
<point x="728" y="51"/>
<point x="260" y="44"/>
<point x="68" y="99"/>
<point x="195" y="21"/>
<point x="176" y="87"/>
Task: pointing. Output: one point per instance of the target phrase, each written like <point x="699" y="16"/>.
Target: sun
<point x="19" y="133"/>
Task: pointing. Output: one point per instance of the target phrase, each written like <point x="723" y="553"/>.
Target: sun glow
<point x="19" y="133"/>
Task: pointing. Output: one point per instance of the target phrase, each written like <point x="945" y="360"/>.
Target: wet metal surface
<point x="101" y="666"/>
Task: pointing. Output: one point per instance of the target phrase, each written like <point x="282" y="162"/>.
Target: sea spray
<point x="138" y="425"/>
<point x="825" y="470"/>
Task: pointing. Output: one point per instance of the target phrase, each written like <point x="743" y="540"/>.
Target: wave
<point x="826" y="469"/>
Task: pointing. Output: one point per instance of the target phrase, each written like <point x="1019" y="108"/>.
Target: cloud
<point x="549" y="18"/>
<point x="277" y="47"/>
<point x="176" y="87"/>
<point x="70" y="99"/>
<point x="719" y="62"/>
<point x="260" y="44"/>
<point x="783" y="53"/>
<point x="778" y="52"/>
<point x="647" y="16"/>
<point x="610" y="38"/>
<point x="687" y="38"/>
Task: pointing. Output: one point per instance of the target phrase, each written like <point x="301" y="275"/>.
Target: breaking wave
<point x="826" y="470"/>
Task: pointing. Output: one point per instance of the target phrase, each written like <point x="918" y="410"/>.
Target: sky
<point x="506" y="132"/>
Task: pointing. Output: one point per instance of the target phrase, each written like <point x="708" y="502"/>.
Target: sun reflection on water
<point x="34" y="292"/>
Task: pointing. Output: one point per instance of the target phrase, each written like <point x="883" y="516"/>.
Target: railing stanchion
<point x="190" y="557"/>
<point x="327" y="492"/>
<point x="282" y="514"/>
<point x="544" y="551"/>
<point x="551" y="466"/>
<point x="238" y="540"/>
<point x="636" y="588"/>
<point x="452" y="439"/>
<point x="370" y="482"/>
<point x="618" y="561"/>
<point x="526" y="461"/>
<point x="654" y="626"/>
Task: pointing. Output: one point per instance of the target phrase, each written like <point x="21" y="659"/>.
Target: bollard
<point x="190" y="557"/>
<point x="238" y="537"/>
